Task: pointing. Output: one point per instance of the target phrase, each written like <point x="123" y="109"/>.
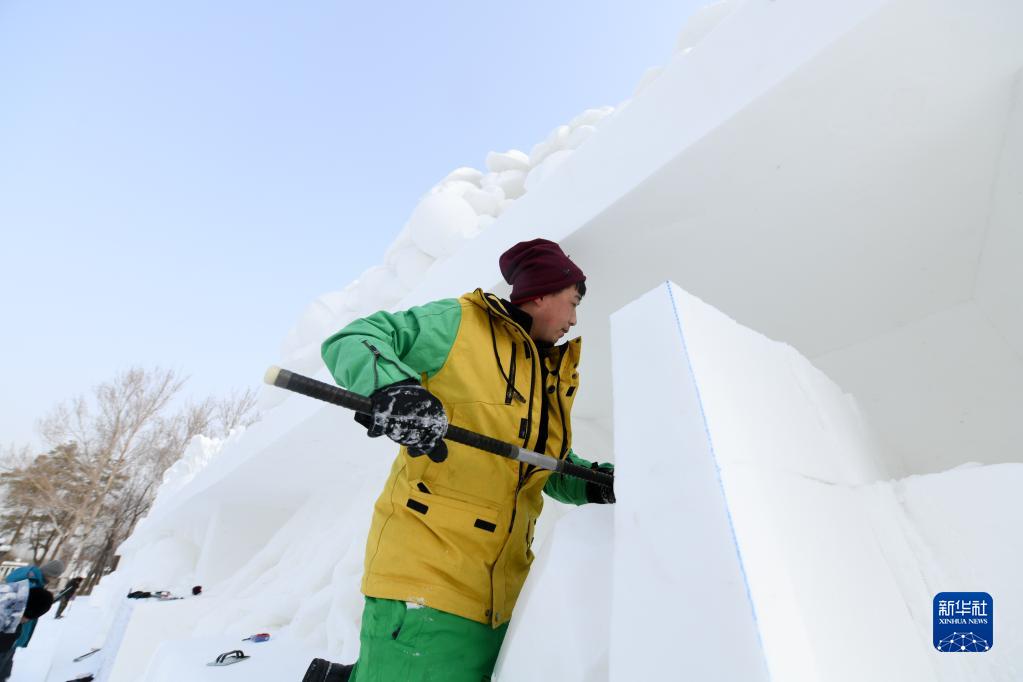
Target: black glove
<point x="598" y="494"/>
<point x="410" y="415"/>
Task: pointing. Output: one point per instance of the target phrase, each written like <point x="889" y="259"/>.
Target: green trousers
<point x="401" y="644"/>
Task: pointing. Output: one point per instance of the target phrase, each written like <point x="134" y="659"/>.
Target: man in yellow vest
<point x="449" y="546"/>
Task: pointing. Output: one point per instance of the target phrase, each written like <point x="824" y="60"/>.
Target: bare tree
<point x="237" y="409"/>
<point x="131" y="501"/>
<point x="109" y="451"/>
<point x="117" y="429"/>
<point x="44" y="492"/>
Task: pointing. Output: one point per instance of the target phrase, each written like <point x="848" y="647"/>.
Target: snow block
<point x="151" y="623"/>
<point x="568" y="592"/>
<point x="234" y="530"/>
<point x="681" y="601"/>
<point x="752" y="513"/>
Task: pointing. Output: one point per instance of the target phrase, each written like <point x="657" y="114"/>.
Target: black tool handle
<point x="330" y="393"/>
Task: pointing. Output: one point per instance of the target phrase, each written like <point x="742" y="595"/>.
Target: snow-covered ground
<point x="56" y="643"/>
<point x="816" y="431"/>
<point x="165" y="651"/>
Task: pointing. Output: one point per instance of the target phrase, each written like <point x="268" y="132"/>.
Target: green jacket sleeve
<point x="569" y="489"/>
<point x="384" y="347"/>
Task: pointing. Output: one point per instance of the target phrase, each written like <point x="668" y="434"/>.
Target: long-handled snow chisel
<point x="336" y="395"/>
<point x="84" y="656"/>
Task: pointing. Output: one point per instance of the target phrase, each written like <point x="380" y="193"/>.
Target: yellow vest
<point x="456" y="536"/>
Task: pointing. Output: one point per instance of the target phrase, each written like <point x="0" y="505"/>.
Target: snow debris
<point x="439" y="223"/>
<point x="510" y="160"/>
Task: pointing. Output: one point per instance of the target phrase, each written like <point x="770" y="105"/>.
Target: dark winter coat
<point x="35" y="578"/>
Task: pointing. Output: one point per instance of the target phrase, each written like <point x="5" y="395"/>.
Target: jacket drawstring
<point x="509" y="381"/>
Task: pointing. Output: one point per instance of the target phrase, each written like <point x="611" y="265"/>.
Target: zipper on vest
<point x="510" y="392"/>
<point x="532" y="391"/>
<point x="561" y="408"/>
<point x="564" y="425"/>
<point x="530" y="470"/>
<point x="515" y="502"/>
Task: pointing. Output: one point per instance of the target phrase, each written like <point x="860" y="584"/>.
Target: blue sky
<point x="178" y="180"/>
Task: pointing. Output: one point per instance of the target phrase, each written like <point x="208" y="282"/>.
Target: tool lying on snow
<point x="258" y="637"/>
<point x="85" y="655"/>
<point x="228" y="658"/>
<point x="313" y="388"/>
<point x="164" y="595"/>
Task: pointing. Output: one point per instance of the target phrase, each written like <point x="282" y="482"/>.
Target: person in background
<point x="67" y="594"/>
<point x="37" y="576"/>
<point x="39" y="602"/>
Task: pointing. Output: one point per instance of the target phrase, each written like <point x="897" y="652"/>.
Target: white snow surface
<point x="197" y="455"/>
<point x="764" y="499"/>
<point x="815" y="432"/>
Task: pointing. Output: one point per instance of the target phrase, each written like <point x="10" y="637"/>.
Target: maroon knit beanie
<point x="537" y="268"/>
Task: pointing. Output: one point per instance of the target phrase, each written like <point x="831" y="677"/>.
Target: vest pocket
<point x="451" y="517"/>
<point x="433" y="547"/>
